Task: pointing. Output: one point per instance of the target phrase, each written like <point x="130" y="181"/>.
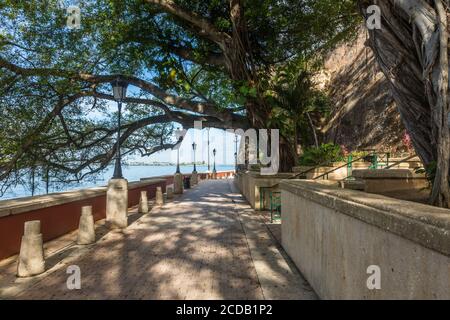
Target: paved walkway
<point x="206" y="244"/>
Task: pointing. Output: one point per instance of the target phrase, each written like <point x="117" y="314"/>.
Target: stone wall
<point x="364" y="114"/>
<point x="338" y="171"/>
<point x="334" y="235"/>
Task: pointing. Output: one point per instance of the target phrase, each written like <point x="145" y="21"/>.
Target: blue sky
<point x="220" y="139"/>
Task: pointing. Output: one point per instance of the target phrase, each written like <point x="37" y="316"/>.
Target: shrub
<point x="325" y="154"/>
<point x="359" y="154"/>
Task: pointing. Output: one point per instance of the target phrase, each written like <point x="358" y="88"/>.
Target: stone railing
<point x="59" y="213"/>
<point x="202" y="176"/>
<point x="353" y="245"/>
<point x="341" y="171"/>
<point x="384" y="181"/>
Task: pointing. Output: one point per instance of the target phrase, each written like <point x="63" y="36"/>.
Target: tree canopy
<point x="185" y="61"/>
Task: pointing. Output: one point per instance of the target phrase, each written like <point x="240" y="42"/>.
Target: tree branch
<point x="178" y="102"/>
<point x="207" y="29"/>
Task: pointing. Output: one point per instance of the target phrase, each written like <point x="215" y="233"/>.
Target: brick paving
<point x="204" y="244"/>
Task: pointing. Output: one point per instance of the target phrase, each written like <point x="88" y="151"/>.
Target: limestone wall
<point x="340" y="171"/>
<point x="364" y="114"/>
<point x="334" y="236"/>
<point x="391" y="180"/>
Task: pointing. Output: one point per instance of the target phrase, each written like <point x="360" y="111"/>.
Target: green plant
<point x="325" y="154"/>
<point x="429" y="171"/>
<point x="359" y="154"/>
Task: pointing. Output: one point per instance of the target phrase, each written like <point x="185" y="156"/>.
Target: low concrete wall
<point x="333" y="235"/>
<point x="385" y="181"/>
<point x="251" y="182"/>
<point x="413" y="163"/>
<point x="338" y="174"/>
<point x="59" y="213"/>
<point x="202" y="176"/>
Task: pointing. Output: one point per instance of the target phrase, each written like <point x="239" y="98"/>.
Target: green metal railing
<point x="274" y="202"/>
<point x="388" y="164"/>
<point x="263" y="190"/>
<point x="377" y="161"/>
<point x="349" y="166"/>
<point x="275" y="206"/>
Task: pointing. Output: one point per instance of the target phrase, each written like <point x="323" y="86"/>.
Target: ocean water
<point x="131" y="173"/>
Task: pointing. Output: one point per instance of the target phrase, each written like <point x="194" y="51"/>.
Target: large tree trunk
<point x="313" y="130"/>
<point x="412" y="50"/>
<point x="239" y="61"/>
<point x="241" y="67"/>
<point x="287" y="155"/>
<point x="237" y="57"/>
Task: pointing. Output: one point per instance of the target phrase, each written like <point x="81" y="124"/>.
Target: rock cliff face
<point x="364" y="114"/>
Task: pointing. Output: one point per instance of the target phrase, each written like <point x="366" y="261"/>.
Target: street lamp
<point x="119" y="92"/>
<point x="178" y="153"/>
<point x="194" y="147"/>
<point x="209" y="167"/>
<point x="235" y="152"/>
<point x="214" y="168"/>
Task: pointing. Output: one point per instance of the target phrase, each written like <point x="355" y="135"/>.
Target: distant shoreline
<point x="134" y="164"/>
<point x="132" y="171"/>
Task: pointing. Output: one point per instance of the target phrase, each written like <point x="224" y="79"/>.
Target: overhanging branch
<point x="206" y="28"/>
